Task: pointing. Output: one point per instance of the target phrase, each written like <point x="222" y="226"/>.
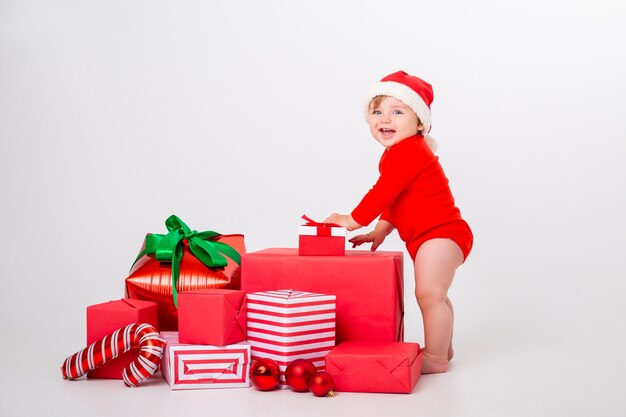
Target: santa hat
<point x="412" y="91"/>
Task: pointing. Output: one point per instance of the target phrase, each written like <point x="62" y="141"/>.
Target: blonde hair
<point x="375" y="102"/>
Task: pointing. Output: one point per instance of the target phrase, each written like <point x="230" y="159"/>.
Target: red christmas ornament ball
<point x="298" y="374"/>
<point x="264" y="374"/>
<point x="322" y="385"/>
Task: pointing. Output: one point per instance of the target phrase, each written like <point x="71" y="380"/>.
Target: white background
<point x="241" y="116"/>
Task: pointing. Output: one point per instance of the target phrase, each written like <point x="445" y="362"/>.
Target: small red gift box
<point x="286" y="325"/>
<point x="103" y="319"/>
<point x="207" y="260"/>
<point x="375" y="367"/>
<point x="204" y="366"/>
<point x="368" y="286"/>
<point x="321" y="239"/>
<point x="212" y="317"/>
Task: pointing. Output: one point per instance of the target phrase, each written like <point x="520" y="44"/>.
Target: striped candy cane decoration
<point x="110" y="347"/>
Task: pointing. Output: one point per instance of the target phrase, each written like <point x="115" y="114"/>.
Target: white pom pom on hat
<point x="412" y="91"/>
<point x="431" y="142"/>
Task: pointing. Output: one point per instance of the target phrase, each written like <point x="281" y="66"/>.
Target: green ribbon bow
<point x="169" y="248"/>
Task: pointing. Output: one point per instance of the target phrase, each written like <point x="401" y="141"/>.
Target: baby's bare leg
<point x="435" y="264"/>
<point x="450" y="350"/>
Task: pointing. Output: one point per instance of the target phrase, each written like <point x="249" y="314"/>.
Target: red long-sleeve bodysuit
<point x="412" y="194"/>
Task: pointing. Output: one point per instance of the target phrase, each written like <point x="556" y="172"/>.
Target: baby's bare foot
<point x="450" y="352"/>
<point x="433" y="364"/>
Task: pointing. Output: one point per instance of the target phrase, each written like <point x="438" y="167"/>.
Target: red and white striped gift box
<point x="286" y="325"/>
<point x="205" y="366"/>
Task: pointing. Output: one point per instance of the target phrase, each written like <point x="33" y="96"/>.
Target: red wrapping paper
<point x="375" y="367"/>
<point x="321" y="239"/>
<point x="103" y="319"/>
<point x="368" y="286"/>
<point x="321" y="245"/>
<point x="212" y="317"/>
<point x="151" y="280"/>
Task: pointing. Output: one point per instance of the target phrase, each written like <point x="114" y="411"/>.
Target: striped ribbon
<point x="111" y="346"/>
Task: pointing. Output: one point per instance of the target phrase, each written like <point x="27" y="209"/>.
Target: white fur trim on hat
<point x="403" y="93"/>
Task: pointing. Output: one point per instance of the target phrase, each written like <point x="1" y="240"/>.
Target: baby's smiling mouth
<point x="386" y="131"/>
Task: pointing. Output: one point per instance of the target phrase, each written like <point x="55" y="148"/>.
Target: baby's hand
<point x="343" y="220"/>
<point x="375" y="237"/>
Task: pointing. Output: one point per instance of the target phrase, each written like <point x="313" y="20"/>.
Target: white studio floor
<point x="509" y="363"/>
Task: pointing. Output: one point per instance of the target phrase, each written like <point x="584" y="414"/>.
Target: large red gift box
<point x="285" y="325"/>
<point x="368" y="286"/>
<point x="375" y="367"/>
<point x="212" y="317"/>
<point x="151" y="279"/>
<point x="103" y="319"/>
<point x="204" y="366"/>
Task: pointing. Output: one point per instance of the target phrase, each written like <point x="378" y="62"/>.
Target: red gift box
<point x="151" y="279"/>
<point x="286" y="325"/>
<point x="204" y="366"/>
<point x="103" y="319"/>
<point x="212" y="317"/>
<point x="321" y="239"/>
<point x="368" y="286"/>
<point x="375" y="367"/>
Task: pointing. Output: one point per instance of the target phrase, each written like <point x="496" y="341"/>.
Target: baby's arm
<point x="376" y="236"/>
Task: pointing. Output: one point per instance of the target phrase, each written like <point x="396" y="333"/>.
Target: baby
<point x="413" y="196"/>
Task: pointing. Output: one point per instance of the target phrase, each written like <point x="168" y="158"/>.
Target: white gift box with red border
<point x="205" y="366"/>
<point x="285" y="325"/>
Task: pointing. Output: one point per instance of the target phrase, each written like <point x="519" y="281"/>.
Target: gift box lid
<point x="234" y="298"/>
<point x="314" y="228"/>
<point x="322" y="231"/>
<point x="290" y="297"/>
<point x="173" y="344"/>
<point x="388" y="354"/>
<point x="171" y="338"/>
<point x="123" y="304"/>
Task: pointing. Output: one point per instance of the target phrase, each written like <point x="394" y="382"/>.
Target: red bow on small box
<point x="323" y="229"/>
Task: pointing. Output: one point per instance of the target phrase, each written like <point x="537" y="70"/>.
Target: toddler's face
<point x="392" y="121"/>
